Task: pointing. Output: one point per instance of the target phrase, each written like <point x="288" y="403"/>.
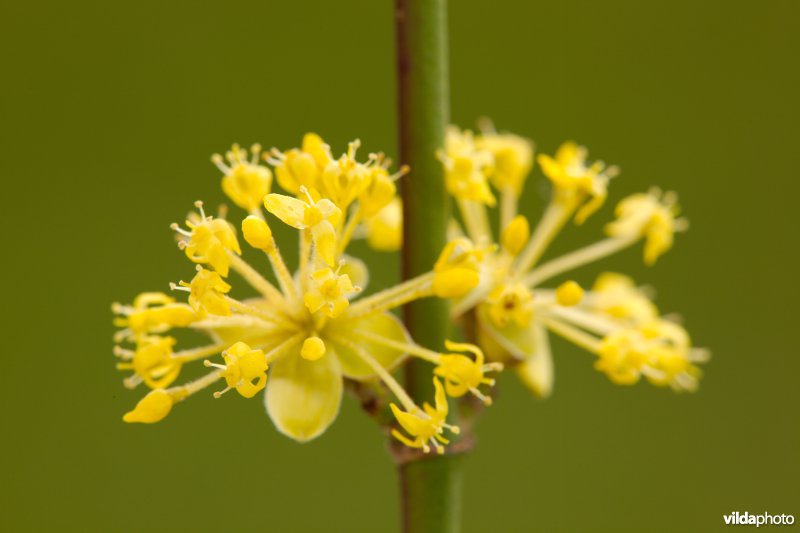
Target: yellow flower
<point x="385" y="228"/>
<point x="301" y="167"/>
<point x="152" y="312"/>
<point x="652" y="216"/>
<point x="513" y="309"/>
<point x="509" y="303"/>
<point x="659" y="350"/>
<point x="328" y="292"/>
<point x="209" y="241"/>
<point x="207" y="292"/>
<point x="319" y="217"/>
<point x="574" y="181"/>
<point x="456" y="270"/>
<point x="380" y="192"/>
<point x="307" y="332"/>
<point x="513" y="159"/>
<point x="462" y="375"/>
<point x="245" y="370"/>
<point x="466" y="167"/>
<point x="345" y="179"/>
<point x="151" y="362"/>
<point x="245" y="181"/>
<point x="426" y="426"/>
<point x="617" y="296"/>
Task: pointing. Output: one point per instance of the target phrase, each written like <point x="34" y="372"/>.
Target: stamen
<point x="219" y="162"/>
<point x="175" y="227"/>
<point x="209" y="364"/>
<point x="132" y="381"/>
<point x="119" y="351"/>
<point x="199" y="205"/>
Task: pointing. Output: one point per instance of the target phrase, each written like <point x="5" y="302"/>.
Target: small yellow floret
<point x="385" y="229"/>
<point x="245" y="370"/>
<point x="321" y="216"/>
<point x="328" y="292"/>
<point x="257" y="233"/>
<point x="245" y="182"/>
<point x="569" y="293"/>
<point x="152" y="408"/>
<point x="515" y="236"/>
<point x="511" y="303"/>
<point x="380" y="192"/>
<point x="153" y="312"/>
<point x="345" y="179"/>
<point x="621" y="357"/>
<point x="466" y="168"/>
<point x="210" y="241"/>
<point x="651" y="215"/>
<point x="152" y="362"/>
<point x="513" y="159"/>
<point x="456" y="271"/>
<point x="313" y="348"/>
<point x="462" y="374"/>
<point x="617" y="296"/>
<point x="574" y="181"/>
<point x="302" y="167"/>
<point x="207" y="292"/>
<point x="425" y="425"/>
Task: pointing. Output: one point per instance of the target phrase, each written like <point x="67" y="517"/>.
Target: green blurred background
<point x="110" y="112"/>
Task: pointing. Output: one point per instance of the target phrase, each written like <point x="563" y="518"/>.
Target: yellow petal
<point x="325" y="240"/>
<point x="290" y="210"/>
<point x="355" y="269"/>
<point x="303" y="396"/>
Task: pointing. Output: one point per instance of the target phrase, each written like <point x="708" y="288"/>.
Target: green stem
<point x="430" y="486"/>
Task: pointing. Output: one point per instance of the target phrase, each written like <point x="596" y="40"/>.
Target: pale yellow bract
<point x="307" y="331"/>
<point x="615" y="320"/>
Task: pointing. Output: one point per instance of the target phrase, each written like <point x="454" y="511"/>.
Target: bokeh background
<point x="110" y="112"/>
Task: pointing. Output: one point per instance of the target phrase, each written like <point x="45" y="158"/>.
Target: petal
<point x="383" y="324"/>
<point x="290" y="210"/>
<point x="357" y="271"/>
<point x="303" y="397"/>
<point x="325" y="240"/>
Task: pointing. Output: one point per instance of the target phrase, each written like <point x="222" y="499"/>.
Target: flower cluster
<point x="307" y="330"/>
<point x="514" y="312"/>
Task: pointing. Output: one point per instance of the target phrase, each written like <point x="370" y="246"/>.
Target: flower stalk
<point x="430" y="486"/>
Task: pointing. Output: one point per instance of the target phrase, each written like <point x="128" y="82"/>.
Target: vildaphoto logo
<point x="746" y="519"/>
